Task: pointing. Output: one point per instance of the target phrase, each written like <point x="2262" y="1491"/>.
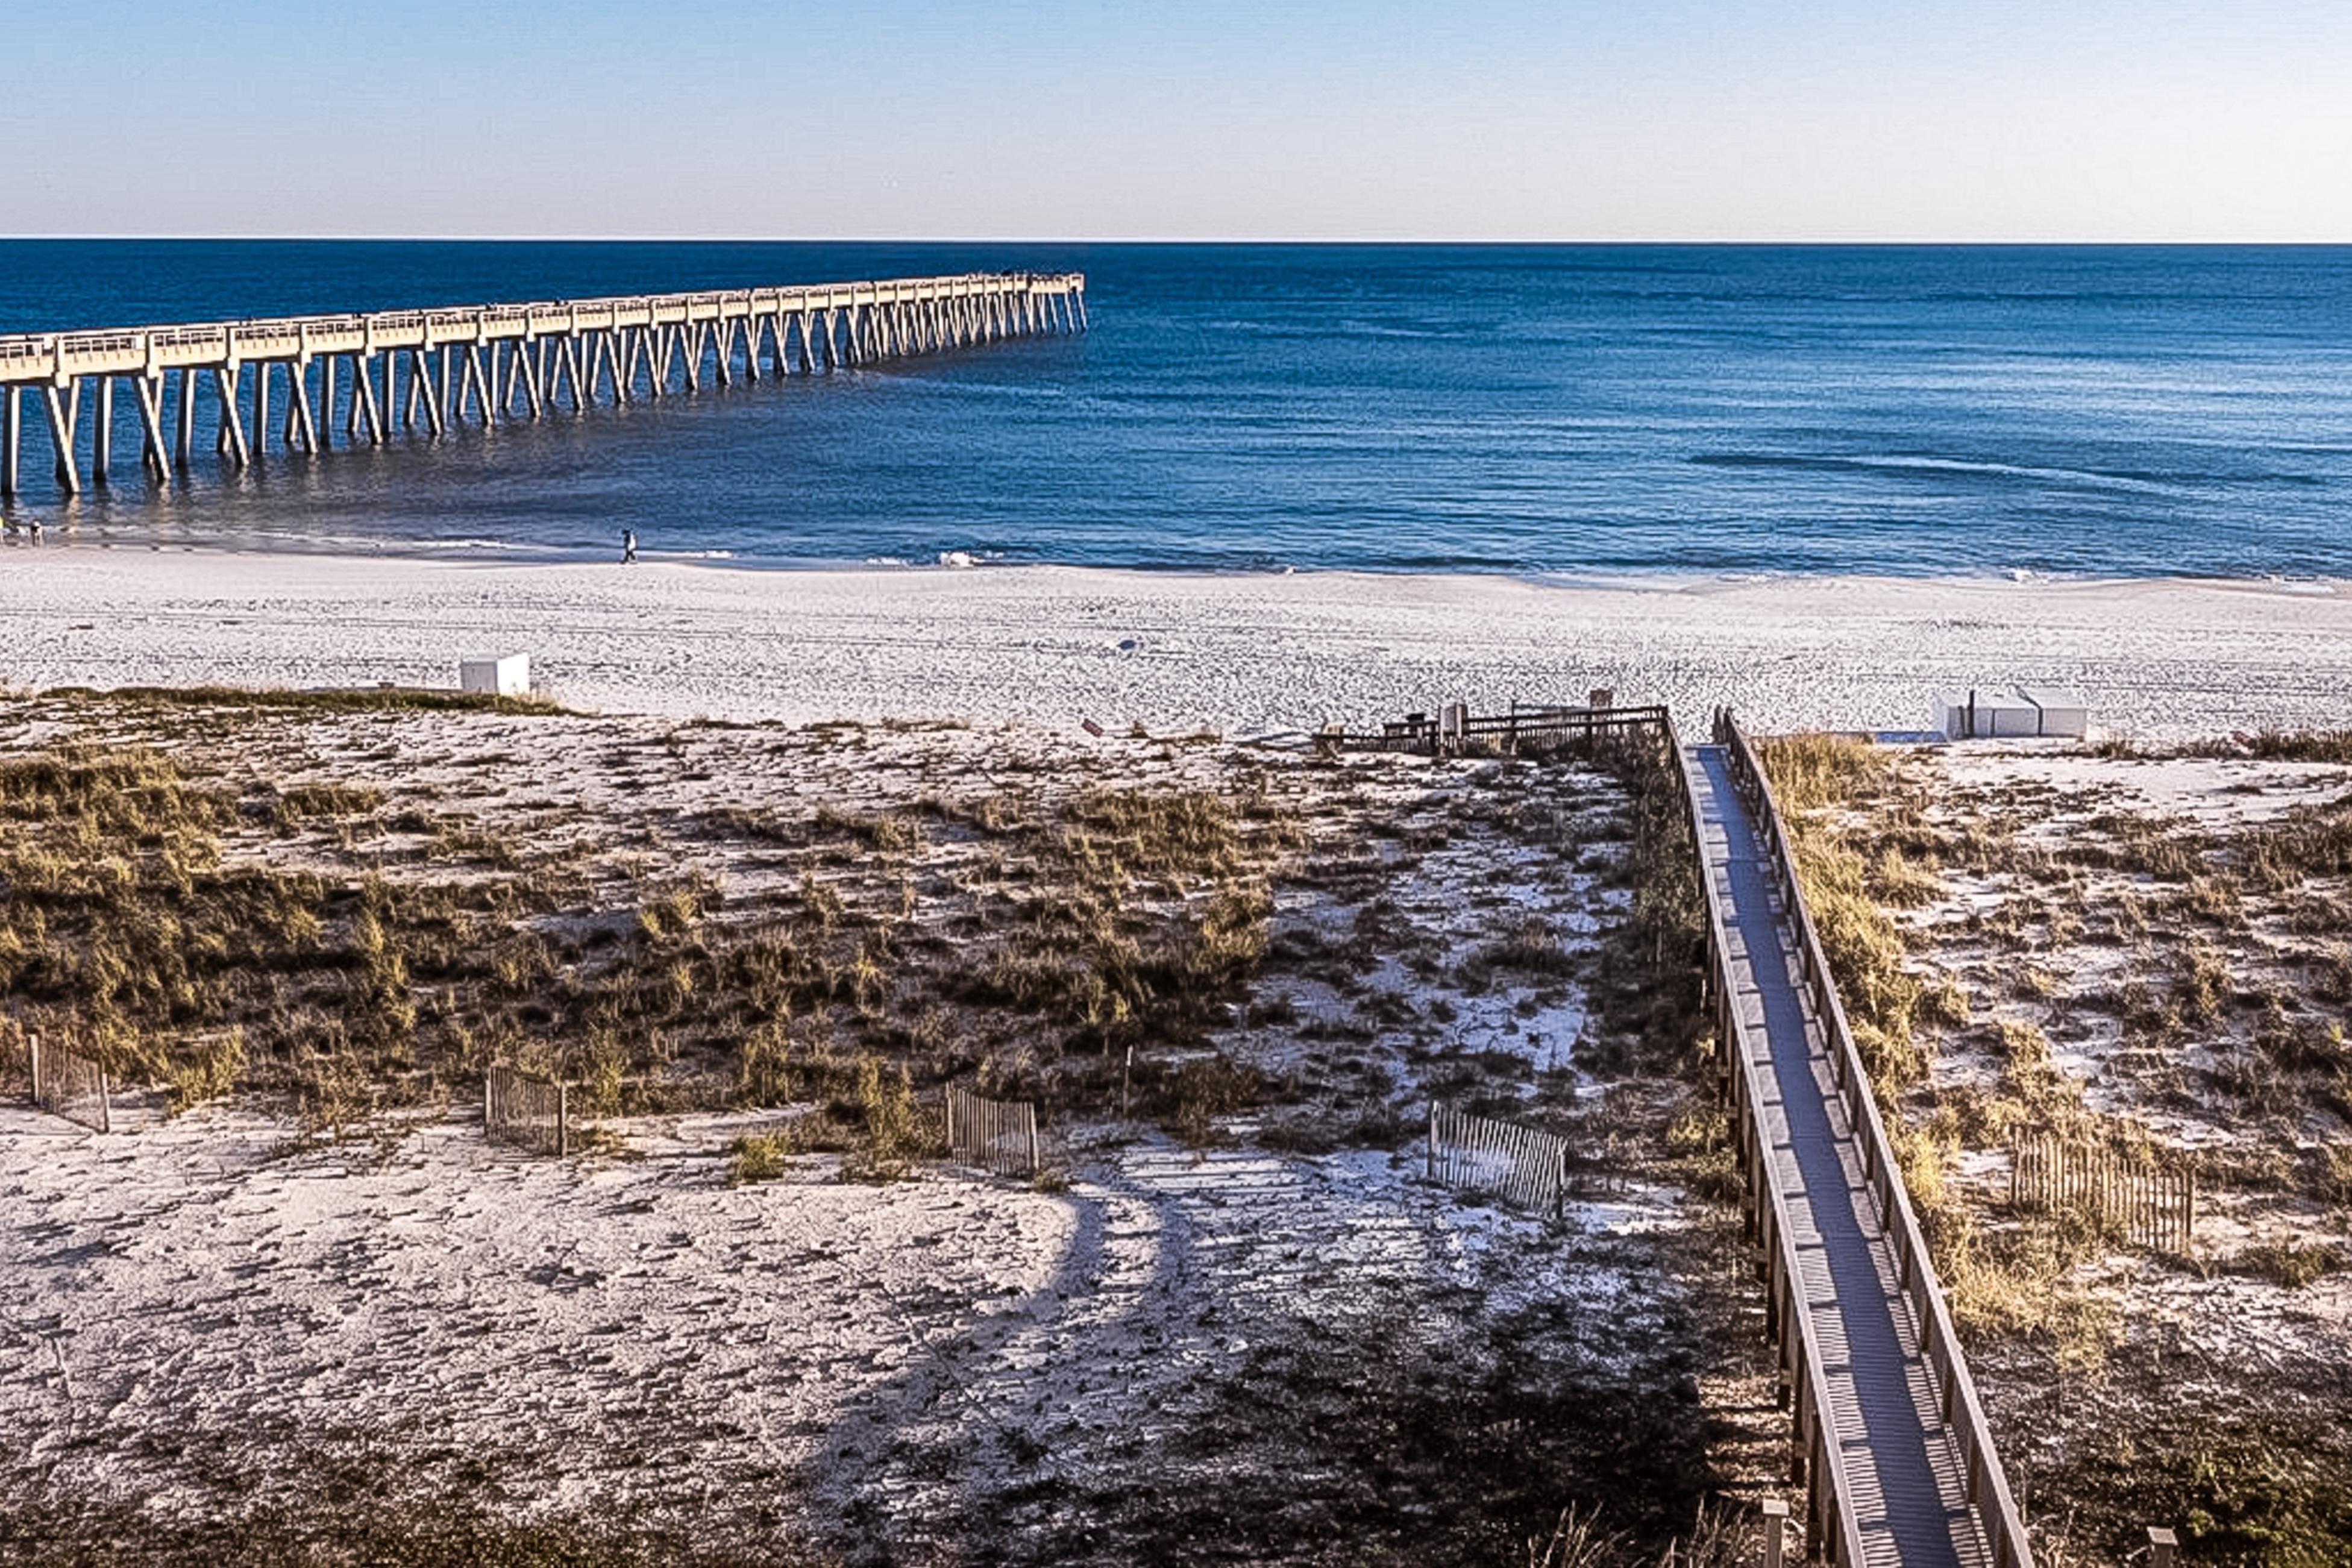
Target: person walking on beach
<point x="628" y="547"/>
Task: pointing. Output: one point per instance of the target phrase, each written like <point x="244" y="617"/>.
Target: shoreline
<point x="496" y="554"/>
<point x="1182" y="651"/>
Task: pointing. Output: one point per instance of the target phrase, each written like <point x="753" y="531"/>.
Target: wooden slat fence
<point x="68" y="1085"/>
<point x="999" y="1135"/>
<point x="1521" y="1165"/>
<point x="1457" y="731"/>
<point x="526" y="1109"/>
<point x="2146" y="1202"/>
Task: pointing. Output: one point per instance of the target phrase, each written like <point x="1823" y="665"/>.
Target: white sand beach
<point x="1237" y="654"/>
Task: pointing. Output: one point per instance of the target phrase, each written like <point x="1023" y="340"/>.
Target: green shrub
<point x="758" y="1157"/>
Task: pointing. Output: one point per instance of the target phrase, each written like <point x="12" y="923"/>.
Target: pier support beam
<point x="233" y="444"/>
<point x="183" y="435"/>
<point x="63" y="410"/>
<point x="366" y="414"/>
<point x="154" y="451"/>
<point x="12" y="437"/>
<point x="101" y="435"/>
<point x="298" y="420"/>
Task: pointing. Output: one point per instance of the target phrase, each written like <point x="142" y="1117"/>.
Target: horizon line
<point x="1815" y="243"/>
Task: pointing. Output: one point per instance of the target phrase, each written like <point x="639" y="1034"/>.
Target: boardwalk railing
<point x="2148" y="1205"/>
<point x="1985" y="1487"/>
<point x="526" y="1109"/>
<point x="68" y="1085"/>
<point x="998" y="1135"/>
<point x="1455" y="730"/>
<point x="1520" y="1165"/>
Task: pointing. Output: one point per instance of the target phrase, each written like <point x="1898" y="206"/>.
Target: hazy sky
<point x="1475" y="120"/>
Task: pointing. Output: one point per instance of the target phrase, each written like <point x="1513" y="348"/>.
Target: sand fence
<point x="2148" y="1203"/>
<point x="998" y="1135"/>
<point x="526" y="1109"/>
<point x="68" y="1084"/>
<point x="1520" y="1165"/>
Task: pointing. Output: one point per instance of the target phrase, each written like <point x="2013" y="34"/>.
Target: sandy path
<point x="1240" y="654"/>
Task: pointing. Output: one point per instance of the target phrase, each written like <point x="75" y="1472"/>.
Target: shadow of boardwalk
<point x="1244" y="1357"/>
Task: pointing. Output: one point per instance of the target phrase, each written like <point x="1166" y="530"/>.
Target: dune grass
<point x="143" y="927"/>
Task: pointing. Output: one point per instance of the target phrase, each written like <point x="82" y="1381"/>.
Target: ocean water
<point x="1580" y="410"/>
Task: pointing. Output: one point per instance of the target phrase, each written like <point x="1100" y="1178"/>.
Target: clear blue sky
<point x="1475" y="120"/>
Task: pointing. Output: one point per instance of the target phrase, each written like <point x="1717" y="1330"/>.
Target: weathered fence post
<point x="1776" y="1526"/>
<point x="2161" y="1545"/>
<point x="562" y="1119"/>
<point x="1431" y="1171"/>
<point x="33" y="1049"/>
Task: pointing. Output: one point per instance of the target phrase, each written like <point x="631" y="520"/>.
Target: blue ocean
<point x="1572" y="410"/>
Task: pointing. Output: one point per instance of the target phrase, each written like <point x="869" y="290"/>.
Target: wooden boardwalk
<point x="1893" y="1443"/>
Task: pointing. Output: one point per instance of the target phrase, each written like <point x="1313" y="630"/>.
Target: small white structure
<point x="506" y="676"/>
<point x="2063" y="711"/>
<point x="1979" y="715"/>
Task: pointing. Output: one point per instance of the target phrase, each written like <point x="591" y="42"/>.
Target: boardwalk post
<point x="2161" y="1545"/>
<point x="1776" y="1525"/>
<point x="33" y="1060"/>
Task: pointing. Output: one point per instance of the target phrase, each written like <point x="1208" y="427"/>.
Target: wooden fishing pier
<point x="373" y="375"/>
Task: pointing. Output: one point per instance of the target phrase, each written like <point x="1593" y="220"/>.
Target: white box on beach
<point x="2063" y="711"/>
<point x="2035" y="710"/>
<point x="506" y="676"/>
